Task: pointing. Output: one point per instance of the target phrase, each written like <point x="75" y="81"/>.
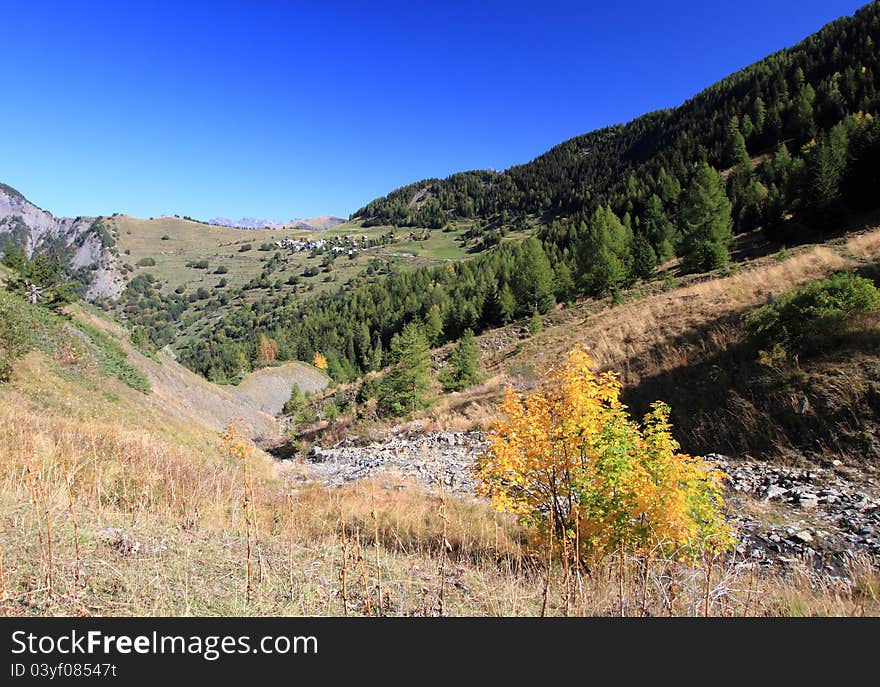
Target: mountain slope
<point x="837" y="67"/>
<point x="795" y="139"/>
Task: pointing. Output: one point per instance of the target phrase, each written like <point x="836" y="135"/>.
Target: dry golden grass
<point x="153" y="528"/>
<point x="618" y="336"/>
<point x="655" y="332"/>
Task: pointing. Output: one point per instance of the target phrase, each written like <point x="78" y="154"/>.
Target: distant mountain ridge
<point x="320" y="223"/>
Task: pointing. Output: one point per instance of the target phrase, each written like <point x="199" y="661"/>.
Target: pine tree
<point x="826" y="167"/>
<point x="434" y="325"/>
<point x="295" y="402"/>
<point x="565" y="289"/>
<point x="706" y="222"/>
<point x="644" y="257"/>
<point x="861" y="186"/>
<point x="658" y="229"/>
<point x="758" y="114"/>
<point x="462" y="369"/>
<point x="668" y="186"/>
<point x="406" y="384"/>
<point x="801" y="125"/>
<point x="533" y="278"/>
<point x="605" y="253"/>
<point x="506" y="304"/>
<point x="735" y="146"/>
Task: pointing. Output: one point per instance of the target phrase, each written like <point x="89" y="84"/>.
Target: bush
<point x="245" y="247"/>
<point x="296" y="401"/>
<point x="535" y="324"/>
<point x="146" y="262"/>
<point x="818" y="309"/>
<point x="569" y="461"/>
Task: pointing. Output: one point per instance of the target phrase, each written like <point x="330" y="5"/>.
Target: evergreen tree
<point x="565" y="288"/>
<point x="706" y="222"/>
<point x="506" y="304"/>
<point x="735" y="146"/>
<point x="605" y="254"/>
<point x="758" y="114"/>
<point x="434" y="325"/>
<point x="861" y="186"/>
<point x="536" y="324"/>
<point x="462" y="369"/>
<point x="668" y="186"/>
<point x="295" y="402"/>
<point x="658" y="229"/>
<point x="406" y="384"/>
<point x="801" y="125"/>
<point x="826" y="167"/>
<point x="533" y="278"/>
<point x="644" y="257"/>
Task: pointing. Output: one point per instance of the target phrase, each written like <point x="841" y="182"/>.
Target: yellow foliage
<point x="320" y="361"/>
<point x="568" y="459"/>
<point x="235" y="442"/>
<point x="267" y="350"/>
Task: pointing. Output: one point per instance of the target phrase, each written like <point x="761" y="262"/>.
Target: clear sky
<point x="287" y="109"/>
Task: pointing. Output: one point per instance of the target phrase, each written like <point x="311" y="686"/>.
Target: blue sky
<point x="283" y="109"/>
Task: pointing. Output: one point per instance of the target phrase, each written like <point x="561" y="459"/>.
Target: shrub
<point x="535" y="324"/>
<point x="146" y="262"/>
<point x="296" y="401"/>
<point x="569" y="461"/>
<point x="818" y="309"/>
<point x="245" y="247"/>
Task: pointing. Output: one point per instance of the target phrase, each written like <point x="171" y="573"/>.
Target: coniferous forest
<point x="789" y="146"/>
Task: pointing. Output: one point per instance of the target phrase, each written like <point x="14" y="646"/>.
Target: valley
<point x="638" y="375"/>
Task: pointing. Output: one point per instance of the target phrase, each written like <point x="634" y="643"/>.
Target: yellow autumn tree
<point x="320" y="361"/>
<point x="267" y="350"/>
<point x="567" y="459"/>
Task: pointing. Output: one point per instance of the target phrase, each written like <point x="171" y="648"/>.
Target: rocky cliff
<point x="85" y="245"/>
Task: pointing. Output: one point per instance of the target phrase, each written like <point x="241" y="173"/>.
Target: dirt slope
<point x="269" y="389"/>
<point x="186" y="395"/>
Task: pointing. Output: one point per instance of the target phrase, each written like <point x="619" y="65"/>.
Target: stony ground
<point x="783" y="514"/>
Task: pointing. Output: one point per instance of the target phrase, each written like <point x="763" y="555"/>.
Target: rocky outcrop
<point x="85" y="244"/>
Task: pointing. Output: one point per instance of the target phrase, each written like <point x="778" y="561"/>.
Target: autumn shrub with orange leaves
<point x="569" y="461"/>
<point x="320" y="361"/>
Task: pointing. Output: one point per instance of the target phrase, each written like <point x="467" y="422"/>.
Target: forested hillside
<point x="791" y="96"/>
<point x="789" y="145"/>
